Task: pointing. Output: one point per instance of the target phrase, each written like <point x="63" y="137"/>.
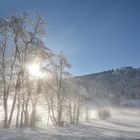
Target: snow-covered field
<point x="123" y="125"/>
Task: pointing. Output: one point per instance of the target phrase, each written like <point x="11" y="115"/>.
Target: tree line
<point x="21" y="45"/>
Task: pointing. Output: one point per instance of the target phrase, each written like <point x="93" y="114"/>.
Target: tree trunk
<point x="12" y="109"/>
<point x="18" y="111"/>
<point x="33" y="115"/>
<point x="22" y="114"/>
<point x="77" y="113"/>
<point x="5" y="125"/>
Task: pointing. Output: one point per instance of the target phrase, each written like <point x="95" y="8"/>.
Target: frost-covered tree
<point x="29" y="71"/>
<point x="55" y="84"/>
<point x="21" y="43"/>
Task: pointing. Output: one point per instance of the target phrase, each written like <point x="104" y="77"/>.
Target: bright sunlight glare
<point x="34" y="70"/>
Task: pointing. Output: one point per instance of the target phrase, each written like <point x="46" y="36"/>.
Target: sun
<point x="34" y="70"/>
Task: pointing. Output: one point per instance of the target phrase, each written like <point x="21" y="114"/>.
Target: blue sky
<point x="95" y="35"/>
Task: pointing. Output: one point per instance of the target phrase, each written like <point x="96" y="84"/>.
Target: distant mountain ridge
<point x="113" y="85"/>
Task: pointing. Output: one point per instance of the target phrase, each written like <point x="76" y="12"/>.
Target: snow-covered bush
<point x="104" y="114"/>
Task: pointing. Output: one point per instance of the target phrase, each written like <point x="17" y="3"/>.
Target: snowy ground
<point x="123" y="125"/>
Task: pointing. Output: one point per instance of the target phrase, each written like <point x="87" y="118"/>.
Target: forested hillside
<point x="111" y="86"/>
